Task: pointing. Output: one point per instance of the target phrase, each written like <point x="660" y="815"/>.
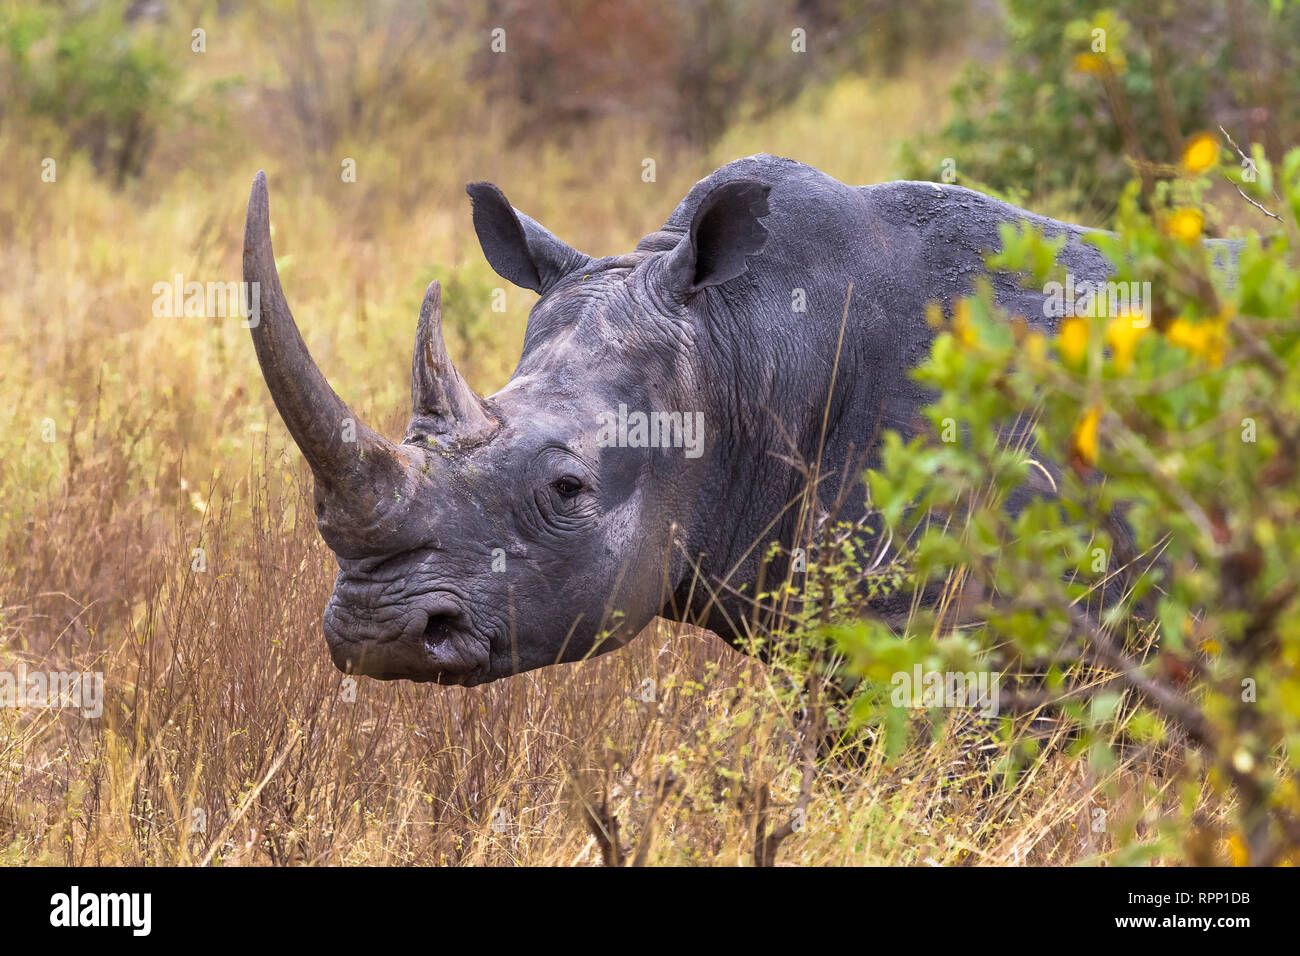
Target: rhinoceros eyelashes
<point x="519" y="249"/>
<point x="568" y="486"/>
<point x="441" y="401"/>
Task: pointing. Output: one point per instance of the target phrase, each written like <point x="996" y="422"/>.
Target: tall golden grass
<point x="227" y="735"/>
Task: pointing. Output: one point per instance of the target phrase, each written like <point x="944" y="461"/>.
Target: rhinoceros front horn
<point x="345" y="455"/>
<point x="441" y="403"/>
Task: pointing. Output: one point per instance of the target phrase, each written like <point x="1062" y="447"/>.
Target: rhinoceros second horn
<point x="441" y="402"/>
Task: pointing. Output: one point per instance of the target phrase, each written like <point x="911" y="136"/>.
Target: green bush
<point x="1089" y="88"/>
<point x="1177" y="433"/>
<point x="80" y="66"/>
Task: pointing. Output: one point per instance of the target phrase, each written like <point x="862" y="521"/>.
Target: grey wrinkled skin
<point x="501" y="537"/>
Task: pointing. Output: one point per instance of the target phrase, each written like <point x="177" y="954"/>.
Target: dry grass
<point x="227" y="735"/>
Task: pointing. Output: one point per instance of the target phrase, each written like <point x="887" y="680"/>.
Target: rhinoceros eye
<point x="568" y="486"/>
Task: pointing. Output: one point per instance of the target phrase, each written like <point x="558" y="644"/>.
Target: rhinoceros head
<point x="519" y="530"/>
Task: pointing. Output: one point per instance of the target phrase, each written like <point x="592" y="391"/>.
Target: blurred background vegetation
<point x="131" y="133"/>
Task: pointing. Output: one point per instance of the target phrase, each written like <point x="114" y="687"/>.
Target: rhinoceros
<point x="649" y="442"/>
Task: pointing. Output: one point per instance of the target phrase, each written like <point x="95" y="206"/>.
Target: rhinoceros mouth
<point x="435" y="647"/>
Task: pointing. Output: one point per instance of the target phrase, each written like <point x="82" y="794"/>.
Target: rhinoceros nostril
<point x="438" y="629"/>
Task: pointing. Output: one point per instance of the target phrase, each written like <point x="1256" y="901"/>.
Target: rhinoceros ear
<point x="519" y="249"/>
<point x="723" y="233"/>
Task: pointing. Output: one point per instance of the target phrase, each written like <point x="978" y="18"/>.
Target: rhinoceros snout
<point x="426" y="645"/>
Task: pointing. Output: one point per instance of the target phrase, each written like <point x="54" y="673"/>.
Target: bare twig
<point x="1247" y="159"/>
<point x="1167" y="701"/>
<point x="1271" y="215"/>
<point x="766" y="844"/>
<point x="603" y="826"/>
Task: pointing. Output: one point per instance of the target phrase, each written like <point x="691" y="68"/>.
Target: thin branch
<point x="1245" y="158"/>
<point x="602" y="823"/>
<point x="1166" y="701"/>
<point x="766" y="846"/>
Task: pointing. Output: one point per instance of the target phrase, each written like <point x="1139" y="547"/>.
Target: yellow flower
<point x="1200" y="153"/>
<point x="1122" y="336"/>
<point x="1238" y="850"/>
<point x="1099" y="64"/>
<point x="1185" y="224"/>
<point x="962" y="327"/>
<point x="934" y="315"/>
<point x="1072" y="340"/>
<point x="1205" y="338"/>
<point x="1083" y="440"/>
<point x="1286" y="795"/>
<point x="1088" y="63"/>
<point x="1035" y="346"/>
